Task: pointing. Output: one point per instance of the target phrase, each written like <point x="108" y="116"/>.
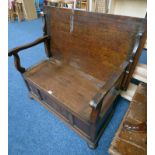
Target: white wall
<point x="135" y="8"/>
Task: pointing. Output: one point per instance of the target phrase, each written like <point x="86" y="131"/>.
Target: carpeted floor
<point x="32" y="129"/>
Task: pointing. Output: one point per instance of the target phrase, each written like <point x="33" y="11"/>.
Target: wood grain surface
<point x="128" y="142"/>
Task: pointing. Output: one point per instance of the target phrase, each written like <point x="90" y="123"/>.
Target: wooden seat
<point x="91" y="57"/>
<point x="66" y="84"/>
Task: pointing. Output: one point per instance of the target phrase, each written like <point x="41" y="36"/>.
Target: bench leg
<point x="30" y="96"/>
<point x="92" y="145"/>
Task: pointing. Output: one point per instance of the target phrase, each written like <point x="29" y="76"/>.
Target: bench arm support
<point x="98" y="98"/>
<point x="136" y="45"/>
<point x="133" y="58"/>
<point x="14" y="52"/>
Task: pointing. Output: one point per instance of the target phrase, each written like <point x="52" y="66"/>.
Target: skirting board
<point x="129" y="93"/>
<point x="139" y="74"/>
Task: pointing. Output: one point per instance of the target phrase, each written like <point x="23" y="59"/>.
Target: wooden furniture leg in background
<point x="19" y="11"/>
<point x="11" y="11"/>
<point x="15" y="10"/>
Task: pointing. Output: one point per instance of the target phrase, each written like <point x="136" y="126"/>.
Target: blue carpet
<point x="32" y="129"/>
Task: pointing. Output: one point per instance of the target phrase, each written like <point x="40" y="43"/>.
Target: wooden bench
<point x="91" y="57"/>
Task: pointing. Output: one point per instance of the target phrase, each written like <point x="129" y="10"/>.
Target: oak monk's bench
<point x="91" y="57"/>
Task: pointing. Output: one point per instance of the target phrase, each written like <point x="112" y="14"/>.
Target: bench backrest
<point x="93" y="42"/>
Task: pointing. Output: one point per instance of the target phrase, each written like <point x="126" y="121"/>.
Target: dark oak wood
<point x="89" y="57"/>
<point x="101" y="39"/>
<point x="131" y="137"/>
<point x="17" y="64"/>
<point x="15" y="51"/>
<point x="108" y="86"/>
<point x="139" y="44"/>
<point x="36" y="42"/>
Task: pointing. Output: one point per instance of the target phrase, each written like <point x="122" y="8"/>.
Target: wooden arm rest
<point x="96" y="101"/>
<point x="133" y="58"/>
<point x="136" y="45"/>
<point x="98" y="98"/>
<point x="14" y="51"/>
